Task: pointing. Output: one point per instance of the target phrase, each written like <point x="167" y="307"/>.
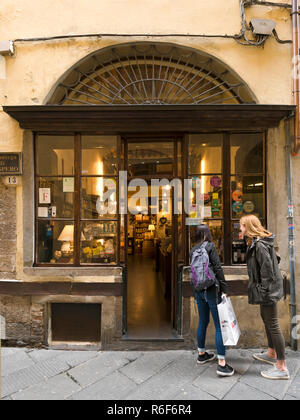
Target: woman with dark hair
<point x="207" y="301"/>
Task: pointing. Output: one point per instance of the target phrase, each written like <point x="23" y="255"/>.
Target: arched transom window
<point x="150" y="74"/>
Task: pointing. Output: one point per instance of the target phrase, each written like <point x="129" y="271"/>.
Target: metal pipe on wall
<point x="291" y="235"/>
<point x="296" y="91"/>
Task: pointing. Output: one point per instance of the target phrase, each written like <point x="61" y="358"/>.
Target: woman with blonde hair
<point x="265" y="288"/>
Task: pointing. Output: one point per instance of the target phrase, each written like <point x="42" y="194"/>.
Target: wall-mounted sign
<point x="12" y="180"/>
<point x="11" y="163"/>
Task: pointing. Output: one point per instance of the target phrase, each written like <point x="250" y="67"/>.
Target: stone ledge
<point x="73" y="271"/>
<point x="21" y="288"/>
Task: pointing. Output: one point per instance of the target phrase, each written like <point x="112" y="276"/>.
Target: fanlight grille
<point x="149" y="74"/>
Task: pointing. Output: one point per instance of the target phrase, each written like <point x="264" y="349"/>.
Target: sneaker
<point x="275" y="373"/>
<point x="225" y="370"/>
<point x="263" y="357"/>
<point x="204" y="358"/>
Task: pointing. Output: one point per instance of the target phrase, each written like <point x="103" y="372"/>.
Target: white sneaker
<point x="275" y="373"/>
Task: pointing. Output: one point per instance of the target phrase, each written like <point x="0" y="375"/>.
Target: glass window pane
<point x="99" y="242"/>
<point x="55" y="155"/>
<point x="246" y="153"/>
<point x="205" y="153"/>
<point x="217" y="231"/>
<point x="55" y="197"/>
<point x="99" y="155"/>
<point x="212" y="193"/>
<point x="239" y="246"/>
<point x="247" y="193"/>
<point x="150" y="158"/>
<point x="99" y="198"/>
<point x="55" y="242"/>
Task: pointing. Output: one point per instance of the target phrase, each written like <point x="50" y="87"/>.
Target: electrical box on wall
<point x="6" y="48"/>
<point x="262" y="26"/>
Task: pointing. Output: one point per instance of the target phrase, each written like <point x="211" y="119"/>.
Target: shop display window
<point x="73" y="176"/>
<point x="99" y="155"/>
<point x="98" y="242"/>
<point x="230" y="168"/>
<point x="55" y="242"/>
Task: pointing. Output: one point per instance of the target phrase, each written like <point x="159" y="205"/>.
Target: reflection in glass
<point x="150" y="158"/>
<point x="212" y="194"/>
<point x="239" y="246"/>
<point x="247" y="196"/>
<point x="60" y="202"/>
<point x="98" y="198"/>
<point x="99" y="242"/>
<point x="55" y="242"/>
<point x="55" y="155"/>
<point x="205" y="153"/>
<point x="246" y="153"/>
<point x="216" y="229"/>
<point x="99" y="155"/>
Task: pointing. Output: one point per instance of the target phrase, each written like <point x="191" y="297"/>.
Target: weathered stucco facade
<point x="29" y="76"/>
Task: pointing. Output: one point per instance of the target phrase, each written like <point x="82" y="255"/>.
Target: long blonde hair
<point x="254" y="228"/>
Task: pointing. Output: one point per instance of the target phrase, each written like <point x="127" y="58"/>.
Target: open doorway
<point x="151" y="231"/>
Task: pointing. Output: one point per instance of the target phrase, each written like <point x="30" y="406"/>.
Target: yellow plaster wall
<point x="35" y="67"/>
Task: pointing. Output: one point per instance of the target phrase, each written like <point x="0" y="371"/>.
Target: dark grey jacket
<point x="265" y="281"/>
<point x="216" y="266"/>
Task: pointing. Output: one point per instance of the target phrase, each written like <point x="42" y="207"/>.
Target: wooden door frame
<point x="175" y="291"/>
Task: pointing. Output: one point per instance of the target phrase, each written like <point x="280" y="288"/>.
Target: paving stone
<point x="41" y="355"/>
<point x="240" y="391"/>
<point x="113" y="387"/>
<point x="32" y="375"/>
<point x="294" y="388"/>
<point x="274" y="388"/>
<point x="168" y="382"/>
<point x="15" y="361"/>
<point x="97" y="368"/>
<point x="148" y="365"/>
<point x="290" y="398"/>
<point x="240" y="360"/>
<point x="59" y="387"/>
<point x="213" y="384"/>
<point x="190" y="392"/>
<point x="7" y="351"/>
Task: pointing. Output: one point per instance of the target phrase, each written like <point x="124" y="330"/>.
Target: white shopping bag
<point x="229" y="324"/>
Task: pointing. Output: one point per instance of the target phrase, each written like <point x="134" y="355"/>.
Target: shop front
<point x="113" y="165"/>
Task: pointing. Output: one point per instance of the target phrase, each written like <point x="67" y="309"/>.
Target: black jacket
<point x="216" y="266"/>
<point x="265" y="281"/>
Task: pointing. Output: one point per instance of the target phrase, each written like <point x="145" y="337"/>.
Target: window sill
<point x="72" y="271"/>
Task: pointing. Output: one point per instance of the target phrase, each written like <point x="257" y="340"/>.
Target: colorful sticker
<point x="237" y="195"/>
<point x="215" y="181"/>
<point x="248" y="206"/>
<point x="237" y="206"/>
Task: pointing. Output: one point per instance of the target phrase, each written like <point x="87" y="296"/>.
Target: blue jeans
<point x="206" y="302"/>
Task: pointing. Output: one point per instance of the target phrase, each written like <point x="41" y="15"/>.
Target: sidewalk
<point x="31" y="374"/>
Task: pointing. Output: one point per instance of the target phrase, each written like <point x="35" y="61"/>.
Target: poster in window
<point x="44" y="195"/>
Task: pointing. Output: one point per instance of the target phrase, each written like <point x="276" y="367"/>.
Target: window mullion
<point x="226" y="198"/>
<point x="77" y="199"/>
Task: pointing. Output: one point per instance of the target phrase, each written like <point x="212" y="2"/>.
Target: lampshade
<point x="151" y="227"/>
<point x="67" y="234"/>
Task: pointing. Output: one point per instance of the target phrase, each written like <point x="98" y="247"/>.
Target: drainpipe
<point x="296" y="63"/>
<point x="291" y="237"/>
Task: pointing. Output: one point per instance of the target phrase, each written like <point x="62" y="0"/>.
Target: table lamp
<point x="152" y="229"/>
<point x="67" y="237"/>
